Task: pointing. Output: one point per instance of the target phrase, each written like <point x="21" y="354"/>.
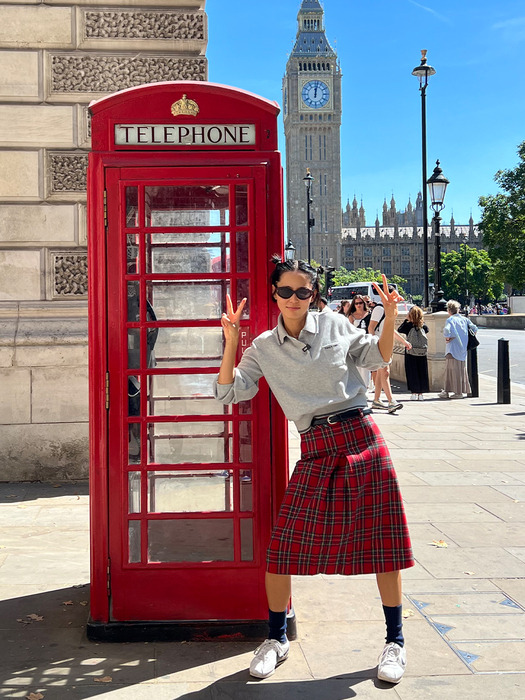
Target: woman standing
<point x="342" y="511"/>
<point x="416" y="366"/>
<point x="359" y="314"/>
<point x="456" y="332"/>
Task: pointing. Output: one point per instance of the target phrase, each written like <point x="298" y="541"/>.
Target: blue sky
<point x="475" y="102"/>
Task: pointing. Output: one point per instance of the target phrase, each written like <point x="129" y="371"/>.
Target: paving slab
<point x="493" y="534"/>
<point x="425" y="493"/>
<point x="513" y="588"/>
<point x="490" y="657"/>
<point x="466" y="603"/>
<point x="509" y="512"/>
<point x="507" y="466"/>
<point x="463" y="562"/>
<point x="480" y="627"/>
<point x="453" y="512"/>
<point x="468" y="687"/>
<point x="355" y="647"/>
<point x="467" y="478"/>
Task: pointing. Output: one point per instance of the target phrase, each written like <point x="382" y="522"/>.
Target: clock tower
<point x="312" y="122"/>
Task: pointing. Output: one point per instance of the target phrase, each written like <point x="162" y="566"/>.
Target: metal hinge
<point x="108" y="576"/>
<point x="107" y="390"/>
<point x="105" y="209"/>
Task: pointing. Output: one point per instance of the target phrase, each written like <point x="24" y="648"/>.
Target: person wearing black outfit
<point x="416" y="367"/>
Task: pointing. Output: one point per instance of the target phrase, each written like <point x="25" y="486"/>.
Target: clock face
<point x="315" y="94"/>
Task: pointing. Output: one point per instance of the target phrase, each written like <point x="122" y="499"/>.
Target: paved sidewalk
<point x="461" y="465"/>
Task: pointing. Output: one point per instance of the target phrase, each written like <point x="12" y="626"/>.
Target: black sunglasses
<point x="301" y="293"/>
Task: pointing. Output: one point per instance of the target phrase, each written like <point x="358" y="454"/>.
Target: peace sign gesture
<point x="230" y="321"/>
<point x="388" y="299"/>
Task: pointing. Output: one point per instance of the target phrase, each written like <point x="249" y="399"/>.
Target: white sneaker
<point x="394" y="406"/>
<point x="414" y="397"/>
<point x="456" y="396"/>
<point x="443" y="394"/>
<point x="392" y="663"/>
<point x="420" y="397"/>
<point x="379" y="404"/>
<point x="268" y="655"/>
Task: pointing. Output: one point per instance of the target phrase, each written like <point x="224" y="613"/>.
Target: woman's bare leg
<point x="278" y="591"/>
<point x="390" y="590"/>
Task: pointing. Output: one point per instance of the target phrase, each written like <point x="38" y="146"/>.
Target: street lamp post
<point x="437" y="186"/>
<point x="310" y="222"/>
<point x="465" y="274"/>
<point x="423" y="71"/>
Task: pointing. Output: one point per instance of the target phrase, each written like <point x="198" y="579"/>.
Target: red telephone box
<point x="184" y="206"/>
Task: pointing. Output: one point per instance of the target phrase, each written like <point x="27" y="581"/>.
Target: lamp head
<point x="289" y="251"/>
<point x="437" y="186"/>
<point x="423" y="71"/>
<point x="308" y="179"/>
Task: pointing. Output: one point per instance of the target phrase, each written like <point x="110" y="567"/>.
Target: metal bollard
<point x="472" y="371"/>
<point x="503" y="371"/>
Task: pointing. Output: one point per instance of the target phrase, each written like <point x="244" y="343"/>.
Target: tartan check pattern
<point x="342" y="512"/>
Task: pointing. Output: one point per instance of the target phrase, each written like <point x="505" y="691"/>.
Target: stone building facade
<point x="56" y="56"/>
<point x="398" y="250"/>
<point x="312" y="123"/>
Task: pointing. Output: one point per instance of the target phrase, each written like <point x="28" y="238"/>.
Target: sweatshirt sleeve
<point x="246" y="380"/>
<point x="364" y="349"/>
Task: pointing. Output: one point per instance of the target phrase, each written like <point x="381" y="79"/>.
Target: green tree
<point x="482" y="280"/>
<point x="503" y="223"/>
<point x="343" y="276"/>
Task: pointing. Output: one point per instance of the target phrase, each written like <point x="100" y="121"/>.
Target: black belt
<point x="340" y="417"/>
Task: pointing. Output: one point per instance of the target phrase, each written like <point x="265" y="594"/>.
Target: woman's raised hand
<point x="389" y="300"/>
<point x="230" y="320"/>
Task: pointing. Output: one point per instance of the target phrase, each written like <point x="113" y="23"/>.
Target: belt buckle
<point x="330" y="421"/>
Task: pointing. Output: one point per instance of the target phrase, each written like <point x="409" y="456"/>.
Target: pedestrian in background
<point x="456" y="332"/>
<point x="343" y="307"/>
<point x="382" y="376"/>
<point x="416" y="365"/>
<point x="322" y="305"/>
<point x="342" y="511"/>
<point x="359" y="314"/>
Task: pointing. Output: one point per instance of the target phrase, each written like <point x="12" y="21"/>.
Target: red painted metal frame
<point x="148" y="104"/>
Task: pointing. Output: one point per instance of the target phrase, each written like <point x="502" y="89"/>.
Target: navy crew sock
<point x="277" y="623"/>
<point x="394" y="624"/>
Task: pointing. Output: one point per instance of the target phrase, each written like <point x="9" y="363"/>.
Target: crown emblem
<point x="185" y="106"/>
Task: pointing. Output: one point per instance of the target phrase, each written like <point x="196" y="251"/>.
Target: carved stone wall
<point x="70" y="275"/>
<point x="105" y="24"/>
<point x="68" y="172"/>
<point x="97" y="75"/>
<point x="55" y="57"/>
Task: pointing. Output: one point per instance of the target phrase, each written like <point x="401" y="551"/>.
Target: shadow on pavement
<point x="20" y="491"/>
<point x="45" y="650"/>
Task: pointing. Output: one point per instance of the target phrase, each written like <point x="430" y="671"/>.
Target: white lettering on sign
<point x="184" y="134"/>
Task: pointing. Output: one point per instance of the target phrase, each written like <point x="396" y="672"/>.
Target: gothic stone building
<point x="56" y="57"/>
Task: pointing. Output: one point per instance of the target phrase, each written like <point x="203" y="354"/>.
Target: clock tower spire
<point x="312" y="122"/>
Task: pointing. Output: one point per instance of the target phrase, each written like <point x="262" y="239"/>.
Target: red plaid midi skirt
<point x="342" y="512"/>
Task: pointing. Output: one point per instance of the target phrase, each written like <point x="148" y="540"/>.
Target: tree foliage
<point x="472" y="270"/>
<point x="503" y="223"/>
<point x="343" y="276"/>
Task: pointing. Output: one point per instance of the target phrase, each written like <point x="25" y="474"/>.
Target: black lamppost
<point x="437" y="186"/>
<point x="289" y="251"/>
<point x="465" y="272"/>
<point x="423" y="72"/>
<point x="308" y="179"/>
